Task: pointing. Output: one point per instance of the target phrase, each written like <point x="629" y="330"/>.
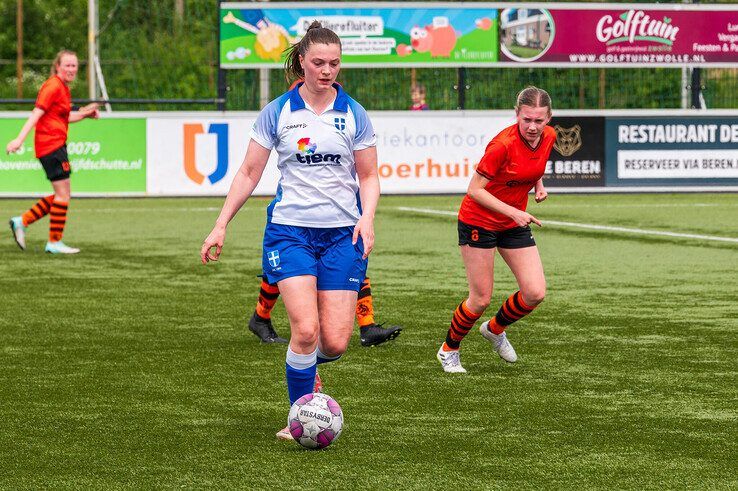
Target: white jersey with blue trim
<point x="318" y="185"/>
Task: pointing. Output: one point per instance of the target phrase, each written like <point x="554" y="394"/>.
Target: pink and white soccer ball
<point x="315" y="420"/>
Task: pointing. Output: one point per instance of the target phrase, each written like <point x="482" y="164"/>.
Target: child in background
<point x="417" y="95"/>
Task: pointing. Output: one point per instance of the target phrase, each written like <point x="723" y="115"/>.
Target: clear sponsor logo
<point x="307" y="154"/>
<point x="636" y="25"/>
<point x="190" y="165"/>
<point x="568" y="140"/>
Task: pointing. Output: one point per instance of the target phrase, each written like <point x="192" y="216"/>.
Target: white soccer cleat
<point x="450" y="361"/>
<point x="500" y="343"/>
<point x="284" y="434"/>
<point x="19" y="231"/>
<point x="60" y="247"/>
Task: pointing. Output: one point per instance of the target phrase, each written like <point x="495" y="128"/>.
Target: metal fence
<point x="495" y="88"/>
<point x="389" y="89"/>
<point x="167" y="49"/>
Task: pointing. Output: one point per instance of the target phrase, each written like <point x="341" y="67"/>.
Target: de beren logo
<point x="568" y="140"/>
<point x="190" y="165"/>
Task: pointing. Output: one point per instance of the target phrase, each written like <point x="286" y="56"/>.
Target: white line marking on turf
<point x="147" y="209"/>
<point x="590" y="226"/>
<point x="643" y="205"/>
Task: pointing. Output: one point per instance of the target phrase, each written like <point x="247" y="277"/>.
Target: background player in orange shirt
<point x="51" y="117"/>
<point x="492" y="216"/>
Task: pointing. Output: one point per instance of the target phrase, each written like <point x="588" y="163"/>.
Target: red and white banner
<point x="628" y="35"/>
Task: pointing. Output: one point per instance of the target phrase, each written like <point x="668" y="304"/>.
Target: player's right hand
<point x="523" y="218"/>
<point x="90" y="110"/>
<point x="14" y="145"/>
<point x="215" y="239"/>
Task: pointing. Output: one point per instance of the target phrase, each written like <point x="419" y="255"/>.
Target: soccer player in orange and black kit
<point x="370" y="333"/>
<point x="492" y="216"/>
<point x="51" y="117"/>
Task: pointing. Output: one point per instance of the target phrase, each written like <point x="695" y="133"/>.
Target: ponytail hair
<point x="315" y="34"/>
<point x="58" y="57"/>
<point x="533" y="97"/>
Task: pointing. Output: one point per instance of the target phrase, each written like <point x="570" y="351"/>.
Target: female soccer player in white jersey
<point x="320" y="225"/>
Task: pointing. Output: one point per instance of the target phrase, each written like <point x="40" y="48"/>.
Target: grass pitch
<point x="130" y="365"/>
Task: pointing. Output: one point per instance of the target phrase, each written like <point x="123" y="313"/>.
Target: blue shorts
<point x="326" y="253"/>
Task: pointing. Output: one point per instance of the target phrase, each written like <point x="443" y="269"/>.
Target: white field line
<point x="644" y="205"/>
<point x="590" y="226"/>
<point x="146" y="209"/>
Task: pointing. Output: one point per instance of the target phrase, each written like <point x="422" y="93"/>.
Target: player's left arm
<point x="540" y="190"/>
<point x="88" y="111"/>
<point x="366" y="171"/>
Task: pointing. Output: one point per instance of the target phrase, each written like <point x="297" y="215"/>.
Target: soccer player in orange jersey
<point x="51" y="118"/>
<point x="492" y="216"/>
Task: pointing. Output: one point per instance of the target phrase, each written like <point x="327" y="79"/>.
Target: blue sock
<point x="300" y="371"/>
<point x="323" y="358"/>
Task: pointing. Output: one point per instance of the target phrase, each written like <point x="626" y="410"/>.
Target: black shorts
<point x="513" y="238"/>
<point x="56" y="164"/>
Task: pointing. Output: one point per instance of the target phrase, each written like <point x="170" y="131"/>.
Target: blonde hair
<point x="533" y="97"/>
<point x="315" y="34"/>
<point x="58" y="57"/>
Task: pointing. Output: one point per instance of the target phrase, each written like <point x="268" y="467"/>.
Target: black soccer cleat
<point x="375" y="334"/>
<point x="264" y="330"/>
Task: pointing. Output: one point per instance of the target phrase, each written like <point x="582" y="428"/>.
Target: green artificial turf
<point x="130" y="365"/>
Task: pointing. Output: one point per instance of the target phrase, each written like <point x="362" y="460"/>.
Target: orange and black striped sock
<point x="57" y="219"/>
<point x="365" y="305"/>
<point x="38" y="211"/>
<point x="461" y="324"/>
<point x="268" y="296"/>
<point x="512" y="310"/>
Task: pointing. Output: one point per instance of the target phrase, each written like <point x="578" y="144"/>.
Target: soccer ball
<point x="315" y="420"/>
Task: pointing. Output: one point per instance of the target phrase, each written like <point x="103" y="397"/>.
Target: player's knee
<point x="479" y="302"/>
<point x="62" y="196"/>
<point x="305" y="334"/>
<point x="334" y="347"/>
<point x="534" y="296"/>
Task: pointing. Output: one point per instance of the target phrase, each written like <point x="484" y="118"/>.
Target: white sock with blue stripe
<point x="323" y="358"/>
<point x="300" y="370"/>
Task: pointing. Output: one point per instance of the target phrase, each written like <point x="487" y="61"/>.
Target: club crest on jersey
<point x="273" y="257"/>
<point x="307" y="154"/>
<point x="339" y="123"/>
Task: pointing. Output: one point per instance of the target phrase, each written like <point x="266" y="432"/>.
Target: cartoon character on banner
<point x="271" y="38"/>
<point x="439" y="39"/>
